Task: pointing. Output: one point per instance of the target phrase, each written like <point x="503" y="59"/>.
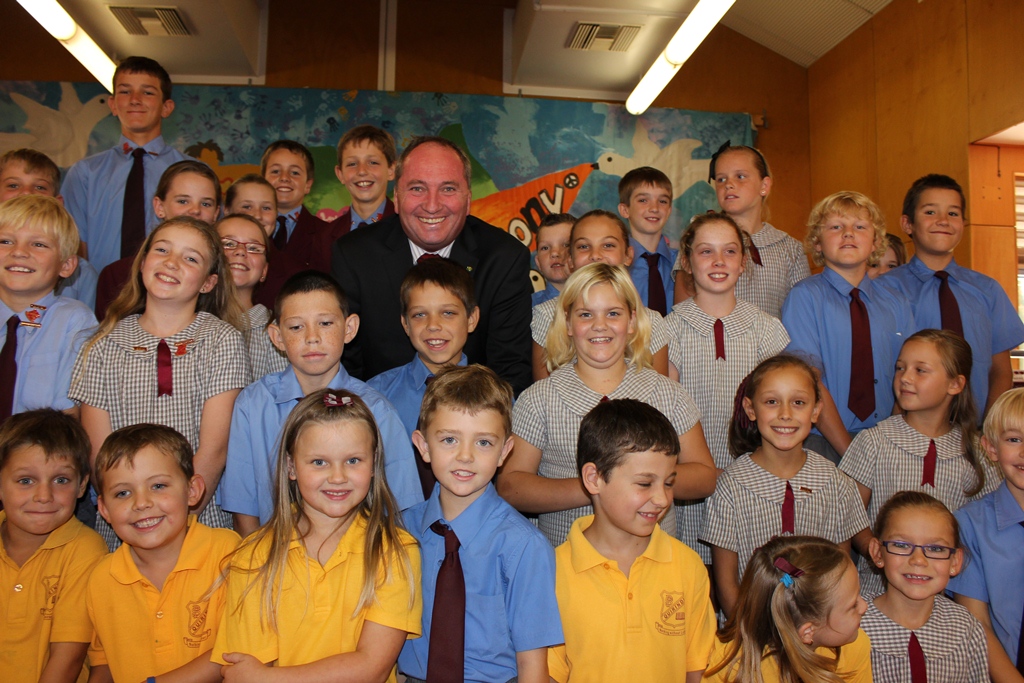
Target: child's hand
<point x="244" y="668"/>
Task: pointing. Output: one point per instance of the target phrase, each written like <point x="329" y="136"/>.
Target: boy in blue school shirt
<point x="845" y="231"/>
<point x="992" y="534"/>
<point x="933" y="216"/>
<point x="645" y="201"/>
<point x="507" y="566"/>
<point x="42" y="332"/>
<point x="553" y="257"/>
<point x="438" y="312"/>
<point x="95" y="186"/>
<point x="311" y="326"/>
<point x="366" y="163"/>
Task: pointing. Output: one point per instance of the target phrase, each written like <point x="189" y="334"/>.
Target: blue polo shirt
<point x="817" y="316"/>
<point x="404" y="387"/>
<point x="545" y="294"/>
<point x="509" y="568"/>
<point x="640" y="271"/>
<point x="991" y="323"/>
<point x="261" y="409"/>
<point x="46" y="354"/>
<point x="991" y="533"/>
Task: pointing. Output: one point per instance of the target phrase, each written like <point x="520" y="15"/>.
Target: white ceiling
<point x="1014" y="135"/>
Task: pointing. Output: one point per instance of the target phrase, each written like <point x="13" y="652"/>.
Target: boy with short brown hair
<point x="366" y="163"/>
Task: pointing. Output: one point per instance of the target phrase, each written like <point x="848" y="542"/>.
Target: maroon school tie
<point x="789" y="511"/>
<point x="9" y="368"/>
<point x="862" y="364"/>
<point x="655" y="285"/>
<point x="755" y="255"/>
<point x="918" y="670"/>
<point x="949" y="309"/>
<point x="281" y="235"/>
<point x="719" y="339"/>
<point x="133" y="214"/>
<point x="426" y="257"/>
<point x="164" y="374"/>
<point x="930" y="458"/>
<point x="447" y="649"/>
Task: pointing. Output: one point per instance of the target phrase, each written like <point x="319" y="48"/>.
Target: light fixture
<point x="59" y="24"/>
<point x="695" y="28"/>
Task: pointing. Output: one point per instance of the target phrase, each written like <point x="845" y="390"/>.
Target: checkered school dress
<point x="952" y="640"/>
<point x="263" y="355"/>
<point x="745" y="511"/>
<point x="548" y="415"/>
<point x="120" y="376"/>
<point x="783" y="264"/>
<point x="889" y="458"/>
<point x="750" y="336"/>
<point x="544" y="315"/>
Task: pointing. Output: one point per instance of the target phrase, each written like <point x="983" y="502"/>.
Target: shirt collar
<point x="925" y="274"/>
<point x="290" y="390"/>
<point x="840" y="284"/>
<point x="377" y="214"/>
<point x="350" y="544"/>
<point x="1008" y="510"/>
<point x="124" y="570"/>
<point x="469" y="523"/>
<point x="33" y="314"/>
<point x="813" y="476"/>
<point x="420" y="373"/>
<point x="60" y="536"/>
<point x="155" y="147"/>
<point x="584" y="556"/>
<point x="768" y="234"/>
<point x="639" y="250"/>
<point x="445" y="252"/>
<point x="735" y="324"/>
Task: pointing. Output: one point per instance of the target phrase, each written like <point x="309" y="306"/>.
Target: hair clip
<point x="714" y="157"/>
<point x="789" y="571"/>
<point x="332" y="400"/>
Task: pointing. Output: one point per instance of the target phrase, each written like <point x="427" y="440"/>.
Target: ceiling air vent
<point x="151" y="21"/>
<point x="601" y="37"/>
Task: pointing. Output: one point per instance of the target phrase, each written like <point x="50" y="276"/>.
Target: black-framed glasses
<point x="932" y="552"/>
<point x="251" y="247"/>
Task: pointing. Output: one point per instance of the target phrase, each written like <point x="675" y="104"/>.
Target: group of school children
<point x="726" y="469"/>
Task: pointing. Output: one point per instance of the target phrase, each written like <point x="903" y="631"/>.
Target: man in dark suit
<point x="432" y="196"/>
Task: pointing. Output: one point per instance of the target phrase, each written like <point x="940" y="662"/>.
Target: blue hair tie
<point x="786" y="580"/>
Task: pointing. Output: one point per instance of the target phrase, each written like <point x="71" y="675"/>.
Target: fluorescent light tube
<point x="59" y="24"/>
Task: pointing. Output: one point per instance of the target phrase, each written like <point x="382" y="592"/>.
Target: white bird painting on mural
<point x="62" y="133"/>
<point x="674" y="160"/>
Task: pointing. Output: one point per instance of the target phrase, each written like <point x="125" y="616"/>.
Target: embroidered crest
<point x="672" y="615"/>
<point x="181" y="348"/>
<point x="197" y="631"/>
<point x="32" y="315"/>
<point x="52" y="585"/>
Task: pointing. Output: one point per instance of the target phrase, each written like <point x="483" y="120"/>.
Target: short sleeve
<point x="774" y="340"/>
<point x="530" y="601"/>
<point x="970" y="582"/>
<point x="97" y="656"/>
<point x="976" y="646"/>
<point x="558" y="664"/>
<point x="659" y="331"/>
<point x="720" y="523"/>
<point x="88" y="379"/>
<point x="799" y="269"/>
<point x="685" y="413"/>
<point x="71" y="623"/>
<point x="239" y="486"/>
<point x="528" y="421"/>
<point x="540" y="322"/>
<point x="860" y="458"/>
<point x="399" y="458"/>
<point x="228" y="363"/>
<point x="75" y="193"/>
<point x="1007" y="328"/>
<point x="800" y="318"/>
<point x="391" y="605"/>
<point x="701" y="622"/>
<point x="851" y="517"/>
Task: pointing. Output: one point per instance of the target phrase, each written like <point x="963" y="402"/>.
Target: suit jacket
<point x="310" y="242"/>
<point x="370" y="263"/>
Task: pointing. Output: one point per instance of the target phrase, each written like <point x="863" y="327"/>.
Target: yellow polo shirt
<point x="43" y="601"/>
<point x="315" y="614"/>
<point x="854" y="663"/>
<point x="655" y="625"/>
<point x="142" y="631"/>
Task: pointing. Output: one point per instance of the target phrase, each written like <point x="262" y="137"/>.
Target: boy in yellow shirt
<point x="634" y="601"/>
<point x="45" y="553"/>
<point x="150" y="601"/>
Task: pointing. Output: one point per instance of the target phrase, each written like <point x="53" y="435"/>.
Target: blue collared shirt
<point x="817" y="316"/>
<point x="46" y="354"/>
<point x="509" y="568"/>
<point x="94" y="194"/>
<point x="378" y="213"/>
<point x="991" y="324"/>
<point x="260" y="412"/>
<point x="404" y="387"/>
<point x="291" y="220"/>
<point x="545" y="294"/>
<point x="991" y="533"/>
<point x="81" y="286"/>
<point x="639" y="270"/>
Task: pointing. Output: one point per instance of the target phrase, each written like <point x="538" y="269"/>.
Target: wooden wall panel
<point x="991" y="247"/>
<point x="991" y="186"/>
<point x="730" y="72"/>
<point x="29" y="53"/>
<point x="995" y="57"/>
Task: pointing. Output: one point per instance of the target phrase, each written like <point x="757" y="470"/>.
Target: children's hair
<point x="247" y="179"/>
<point x="932" y="181"/>
<point x="57" y="433"/>
<point x="744" y="436"/>
<point x="305" y="282"/>
<point x="559" y="345"/>
<point x="1005" y="414"/>
<point x="45" y="214"/>
<point x="555" y="219"/>
<point x="914" y="499"/>
<point x="469" y="389"/>
<point x="384" y="547"/>
<point x="375" y="136"/>
<point x="145" y="65"/>
<point x="601" y="213"/>
<point x="848" y="204"/>
<point x="187" y="166"/>
<point x="446" y="274"/>
<point x="33" y="161"/>
<point x="638" y="177"/>
<point x="957" y="359"/>
<point x="467" y="165"/>
<point x="702" y="219"/>
<point x="295" y="148"/>
<point x="789" y="581"/>
<point x="264" y="239"/>
<point x="896" y="244"/>
<point x="125" y="443"/>
<point x="760" y="163"/>
<point x="614" y="429"/>
<point x="220" y="301"/>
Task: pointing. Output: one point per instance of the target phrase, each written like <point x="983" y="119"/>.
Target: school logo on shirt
<point x="196" y="624"/>
<point x="672" y="620"/>
<point x="52" y="586"/>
